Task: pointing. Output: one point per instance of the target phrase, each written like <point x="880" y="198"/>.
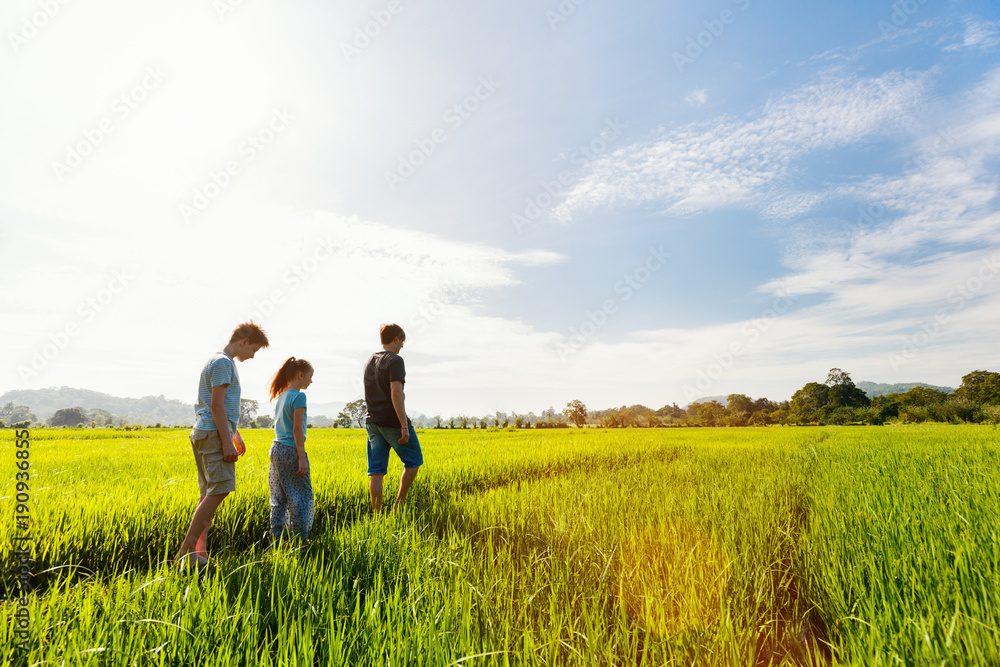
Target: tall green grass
<point x="904" y="551"/>
<point x="647" y="547"/>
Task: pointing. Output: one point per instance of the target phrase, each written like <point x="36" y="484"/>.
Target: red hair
<point x="288" y="371"/>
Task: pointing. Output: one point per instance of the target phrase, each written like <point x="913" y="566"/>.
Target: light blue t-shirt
<point x="283" y="411"/>
<point x="219" y="370"/>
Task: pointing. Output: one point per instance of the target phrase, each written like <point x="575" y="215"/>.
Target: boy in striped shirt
<point x="212" y="439"/>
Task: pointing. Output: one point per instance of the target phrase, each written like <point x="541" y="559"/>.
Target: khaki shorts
<point x="215" y="476"/>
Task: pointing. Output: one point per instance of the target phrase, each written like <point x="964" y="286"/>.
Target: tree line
<point x="836" y="401"/>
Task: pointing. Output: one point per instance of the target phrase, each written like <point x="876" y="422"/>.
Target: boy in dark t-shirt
<point x="386" y="421"/>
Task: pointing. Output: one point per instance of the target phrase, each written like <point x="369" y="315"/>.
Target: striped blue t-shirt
<point x="219" y="370"/>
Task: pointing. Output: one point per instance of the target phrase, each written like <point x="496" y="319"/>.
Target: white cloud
<point x="893" y="307"/>
<point x="697" y="98"/>
<point x="978" y="34"/>
<point x="733" y="161"/>
<point x="944" y="198"/>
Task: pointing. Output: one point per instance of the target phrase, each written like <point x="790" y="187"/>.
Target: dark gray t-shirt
<point x="382" y="368"/>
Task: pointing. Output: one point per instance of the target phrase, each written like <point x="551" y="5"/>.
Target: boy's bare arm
<point x="398" y="403"/>
<point x="222" y="422"/>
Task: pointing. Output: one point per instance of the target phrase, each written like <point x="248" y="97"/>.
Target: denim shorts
<point x="383" y="438"/>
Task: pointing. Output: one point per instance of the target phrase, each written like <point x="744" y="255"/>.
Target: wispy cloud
<point x="942" y="202"/>
<point x="978" y="34"/>
<point x="936" y="230"/>
<point x="734" y="161"/>
<point x="697" y="98"/>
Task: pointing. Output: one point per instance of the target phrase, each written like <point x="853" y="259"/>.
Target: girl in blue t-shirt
<point x="292" y="508"/>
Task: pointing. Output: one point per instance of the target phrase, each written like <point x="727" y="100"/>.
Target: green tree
<point x="248" y="412"/>
<point x="923" y="397"/>
<point x="16" y="413"/>
<point x="980" y="387"/>
<point x="264" y="421"/>
<point x="101" y="417"/>
<point x="577" y="412"/>
<point x="739" y="403"/>
<point x="672" y="413"/>
<point x="764" y="405"/>
<point x="706" y="414"/>
<point x="355" y="411"/>
<point x="68" y="417"/>
<point x="843" y="392"/>
<point x="810" y="398"/>
<point x="711" y="413"/>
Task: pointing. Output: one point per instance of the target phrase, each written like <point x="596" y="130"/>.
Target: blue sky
<point x="615" y="202"/>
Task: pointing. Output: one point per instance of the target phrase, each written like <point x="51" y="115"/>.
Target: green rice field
<point x="757" y="546"/>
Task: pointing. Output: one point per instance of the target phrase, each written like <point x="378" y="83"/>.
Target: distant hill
<point x="873" y="389"/>
<point x="708" y="399"/>
<point x="147" y="410"/>
<point x="330" y="410"/>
